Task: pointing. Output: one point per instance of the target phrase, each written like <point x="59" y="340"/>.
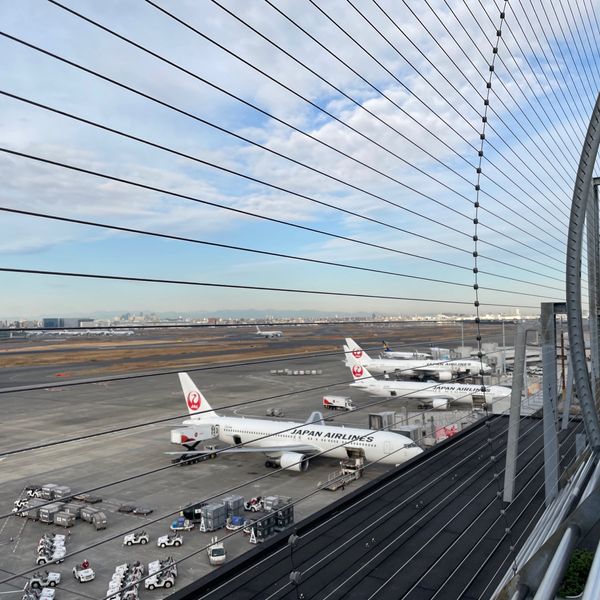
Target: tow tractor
<point x="35" y="594"/>
<point x="182" y="524"/>
<point x="162" y="574"/>
<point x="55" y="556"/>
<point x="137" y="537"/>
<point x="172" y="539"/>
<point x="46" y="579"/>
<point x="216" y="552"/>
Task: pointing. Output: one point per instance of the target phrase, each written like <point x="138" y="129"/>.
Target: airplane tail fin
<point x="196" y="402"/>
<point x="356" y="350"/>
<point x="359" y="372"/>
<point x="257" y="329"/>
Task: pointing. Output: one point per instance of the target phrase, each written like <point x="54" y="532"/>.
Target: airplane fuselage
<point x="334" y="442"/>
<point x="408" y="389"/>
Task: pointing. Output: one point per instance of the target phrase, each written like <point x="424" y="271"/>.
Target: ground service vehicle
<point x="172" y="539"/>
<point x="182" y="524"/>
<point x="45" y="579"/>
<point x="216" y="552"/>
<point x="254" y="504"/>
<point x="55" y="556"/>
<point x="82" y="575"/>
<point x="137" y="537"/>
<point x="156" y="581"/>
<point x="338" y="403"/>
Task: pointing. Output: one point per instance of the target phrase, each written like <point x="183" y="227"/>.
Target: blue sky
<point x="531" y="205"/>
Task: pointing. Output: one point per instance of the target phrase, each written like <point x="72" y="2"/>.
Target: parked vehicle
<point x="45" y="579"/>
<point x="140" y="510"/>
<point x="254" y="504"/>
<point x="83" y="574"/>
<point x="216" y="552"/>
<point x="338" y="403"/>
<point x="156" y="581"/>
<point x="172" y="539"/>
<point x="182" y="524"/>
<point x="56" y="556"/>
<point x="138" y="537"/>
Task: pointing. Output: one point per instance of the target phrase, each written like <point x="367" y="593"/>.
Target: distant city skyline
<point x="253" y="315"/>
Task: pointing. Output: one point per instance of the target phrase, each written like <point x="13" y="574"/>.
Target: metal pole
<point x="563" y="382"/>
<point x="558" y="565"/>
<point x="548" y="320"/>
<point x="567" y="401"/>
<point x="503" y="350"/>
<point x="512" y="444"/>
<point x="581" y="194"/>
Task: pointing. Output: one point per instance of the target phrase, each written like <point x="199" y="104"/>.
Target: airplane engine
<point x="445" y="375"/>
<point x="439" y="404"/>
<point x="293" y="461"/>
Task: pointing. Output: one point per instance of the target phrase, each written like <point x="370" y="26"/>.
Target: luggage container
<point x="64" y="519"/>
<point x="47" y="491"/>
<point x="284" y="518"/>
<point x="234" y="505"/>
<point x="272" y="503"/>
<point x="73" y="509"/>
<point x="46" y="513"/>
<point x="87" y="512"/>
<point x="99" y="520"/>
<point x="62" y="491"/>
<point x="214" y="516"/>
<point x="33" y="509"/>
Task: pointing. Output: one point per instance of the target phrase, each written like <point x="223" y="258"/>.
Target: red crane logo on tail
<point x="357" y="353"/>
<point x="193" y="400"/>
<point x="357" y="371"/>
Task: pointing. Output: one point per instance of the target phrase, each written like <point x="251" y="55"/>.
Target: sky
<point x="388" y="108"/>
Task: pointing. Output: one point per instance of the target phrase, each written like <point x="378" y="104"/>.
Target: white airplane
<point x="442" y="370"/>
<point x="268" y="334"/>
<point x="290" y="444"/>
<point x="439" y="395"/>
<point x="388" y="353"/>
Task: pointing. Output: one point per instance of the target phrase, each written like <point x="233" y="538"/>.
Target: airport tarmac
<point x="54" y="414"/>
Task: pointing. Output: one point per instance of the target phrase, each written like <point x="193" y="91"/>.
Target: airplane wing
<point x="253" y="449"/>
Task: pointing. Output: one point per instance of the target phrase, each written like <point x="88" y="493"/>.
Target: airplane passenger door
<point x="387" y="447"/>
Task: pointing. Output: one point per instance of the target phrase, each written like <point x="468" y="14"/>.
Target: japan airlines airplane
<point x="442" y="370"/>
<point x="388" y="353"/>
<point x="268" y="334"/>
<point x="439" y="395"/>
<point x="290" y="445"/>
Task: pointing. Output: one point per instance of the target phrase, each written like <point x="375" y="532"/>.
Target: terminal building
<point x="59" y="322"/>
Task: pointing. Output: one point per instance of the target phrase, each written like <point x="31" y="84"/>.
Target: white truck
<point x="216" y="552"/>
<point x="172" y="539"/>
<point x="338" y="403"/>
<point x="137" y="537"/>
